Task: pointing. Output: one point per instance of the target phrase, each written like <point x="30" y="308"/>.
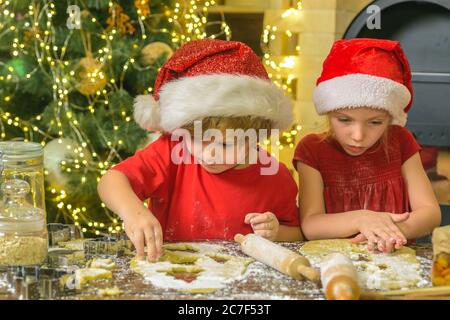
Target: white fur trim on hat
<point x="147" y="112"/>
<point x="363" y="90"/>
<point x="222" y="95"/>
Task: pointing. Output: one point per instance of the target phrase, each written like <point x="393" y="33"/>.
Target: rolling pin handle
<point x="239" y="238"/>
<point x="309" y="273"/>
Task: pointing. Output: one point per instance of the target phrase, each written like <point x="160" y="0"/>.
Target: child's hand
<point x="144" y="229"/>
<point x="264" y="224"/>
<point x="381" y="231"/>
<point x="361" y="238"/>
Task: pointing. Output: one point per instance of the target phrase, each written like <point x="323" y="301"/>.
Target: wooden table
<point x="260" y="282"/>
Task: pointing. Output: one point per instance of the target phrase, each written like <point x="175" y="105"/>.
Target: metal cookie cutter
<point x="63" y="258"/>
<point x="58" y="232"/>
<point x="33" y="282"/>
<point x="107" y="247"/>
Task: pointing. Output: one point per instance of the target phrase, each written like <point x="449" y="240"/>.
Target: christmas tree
<point x="69" y="71"/>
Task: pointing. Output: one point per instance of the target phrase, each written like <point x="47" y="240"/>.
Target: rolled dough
<point x="192" y="267"/>
<point x="376" y="271"/>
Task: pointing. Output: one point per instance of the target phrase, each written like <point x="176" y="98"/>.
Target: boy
<point x="217" y="86"/>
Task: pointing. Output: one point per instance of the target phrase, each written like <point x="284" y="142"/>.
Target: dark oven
<point x="423" y="28"/>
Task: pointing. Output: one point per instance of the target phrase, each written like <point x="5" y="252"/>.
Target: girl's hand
<point x="144" y="229"/>
<point x="381" y="231"/>
<point x="264" y="224"/>
<point x="361" y="238"/>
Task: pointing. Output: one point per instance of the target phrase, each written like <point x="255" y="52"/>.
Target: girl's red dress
<point x="371" y="181"/>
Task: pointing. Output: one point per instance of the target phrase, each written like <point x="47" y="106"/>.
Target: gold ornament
<point x="143" y="9"/>
<point x="151" y="52"/>
<point x="119" y="20"/>
<point x="30" y="34"/>
<point x="90" y="76"/>
<point x="85" y="13"/>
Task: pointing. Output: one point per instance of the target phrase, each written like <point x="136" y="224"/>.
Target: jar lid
<point x="18" y="150"/>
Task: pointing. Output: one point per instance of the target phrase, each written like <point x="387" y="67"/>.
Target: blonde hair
<point x="223" y="123"/>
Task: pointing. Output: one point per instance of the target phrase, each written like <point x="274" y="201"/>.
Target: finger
<point x="381" y="245"/>
<point x="262" y="226"/>
<point x="371" y="240"/>
<point x="249" y="216"/>
<point x="158" y="241"/>
<point x="401" y="242"/>
<point x="398" y="245"/>
<point x="260" y="218"/>
<point x="399" y="236"/>
<point x="395" y="230"/>
<point x="151" y="247"/>
<point x="263" y="233"/>
<point x="358" y="238"/>
<point x="389" y="246"/>
<point x="384" y="234"/>
<point x="139" y="244"/>
<point x="399" y="217"/>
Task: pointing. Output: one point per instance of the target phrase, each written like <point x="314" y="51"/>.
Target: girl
<point x="364" y="178"/>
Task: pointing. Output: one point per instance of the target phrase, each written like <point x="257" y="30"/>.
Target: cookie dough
<point x="377" y="270"/>
<point x="192" y="267"/>
<point x="89" y="274"/>
<point x="108" y="264"/>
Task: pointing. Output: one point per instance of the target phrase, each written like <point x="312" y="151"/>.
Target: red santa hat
<point x="206" y="78"/>
<point x="365" y="73"/>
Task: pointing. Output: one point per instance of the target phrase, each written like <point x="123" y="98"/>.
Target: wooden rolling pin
<point x="277" y="257"/>
<point x="339" y="278"/>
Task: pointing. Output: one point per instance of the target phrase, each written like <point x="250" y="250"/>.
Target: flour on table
<point x="376" y="271"/>
<point x="193" y="267"/>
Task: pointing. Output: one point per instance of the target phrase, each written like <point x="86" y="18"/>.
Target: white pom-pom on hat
<point x="147" y="112"/>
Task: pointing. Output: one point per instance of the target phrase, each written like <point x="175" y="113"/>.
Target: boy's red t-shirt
<point x="371" y="181"/>
<point x="193" y="204"/>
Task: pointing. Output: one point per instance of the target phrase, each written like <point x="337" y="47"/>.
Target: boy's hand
<point x="381" y="231"/>
<point x="264" y="224"/>
<point x="144" y="229"/>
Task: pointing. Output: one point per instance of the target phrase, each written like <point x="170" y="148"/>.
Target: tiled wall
<point x="319" y="24"/>
<point x="322" y="22"/>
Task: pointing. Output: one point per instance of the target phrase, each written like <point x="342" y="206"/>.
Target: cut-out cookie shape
<point x="187" y="274"/>
<point x="175" y="258"/>
<point x="192" y="267"/>
<point x="101" y="263"/>
<point x="85" y="275"/>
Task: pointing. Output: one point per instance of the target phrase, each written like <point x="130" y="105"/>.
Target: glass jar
<point x="440" y="274"/>
<point x="23" y="227"/>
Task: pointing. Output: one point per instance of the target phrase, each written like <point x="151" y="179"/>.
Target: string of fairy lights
<point x="189" y="21"/>
<point x="281" y="70"/>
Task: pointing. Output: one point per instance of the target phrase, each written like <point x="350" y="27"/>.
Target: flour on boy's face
<point x="358" y="129"/>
